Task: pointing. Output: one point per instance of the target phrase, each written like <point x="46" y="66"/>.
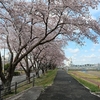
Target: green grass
<point x="19" y="90"/>
<point x="44" y="81"/>
<point x="92" y="87"/>
<point x="47" y="79"/>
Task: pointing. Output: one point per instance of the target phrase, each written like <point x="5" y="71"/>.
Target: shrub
<point x="16" y="73"/>
<point x="6" y="66"/>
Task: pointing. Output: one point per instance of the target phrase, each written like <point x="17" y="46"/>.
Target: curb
<point x="16" y="96"/>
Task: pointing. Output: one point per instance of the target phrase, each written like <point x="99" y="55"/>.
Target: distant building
<point x="85" y="67"/>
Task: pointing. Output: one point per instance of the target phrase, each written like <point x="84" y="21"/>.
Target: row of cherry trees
<point x="43" y="57"/>
<point x="34" y="30"/>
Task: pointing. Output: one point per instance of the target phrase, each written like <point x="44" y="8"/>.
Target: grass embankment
<point x="47" y="79"/>
<point x="43" y="81"/>
<point x="92" y="87"/>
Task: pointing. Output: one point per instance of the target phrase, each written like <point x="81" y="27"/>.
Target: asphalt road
<point x="20" y="78"/>
<point x="66" y="88"/>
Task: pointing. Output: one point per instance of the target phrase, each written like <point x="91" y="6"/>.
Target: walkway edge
<point x="16" y="96"/>
<point x="93" y="93"/>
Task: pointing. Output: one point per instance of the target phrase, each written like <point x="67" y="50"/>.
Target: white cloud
<point x="99" y="50"/>
<point x="92" y="49"/>
<point x="90" y="56"/>
<point x="95" y="45"/>
<point x="73" y="50"/>
<point x="86" y="51"/>
<point x="86" y="59"/>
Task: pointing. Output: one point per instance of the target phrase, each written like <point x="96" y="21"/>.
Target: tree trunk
<point x="37" y="73"/>
<point x="28" y="77"/>
<point x="6" y="80"/>
<point x="46" y="68"/>
<point x="43" y="71"/>
<point x="7" y="84"/>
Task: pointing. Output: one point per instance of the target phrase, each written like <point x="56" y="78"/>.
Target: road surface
<point x="66" y="88"/>
<point x="20" y="78"/>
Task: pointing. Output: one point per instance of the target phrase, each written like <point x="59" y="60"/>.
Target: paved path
<point x="66" y="88"/>
<point x="30" y="94"/>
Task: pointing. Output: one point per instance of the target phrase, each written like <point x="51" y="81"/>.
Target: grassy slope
<point x="92" y="87"/>
<point x="44" y="80"/>
<point x="47" y="79"/>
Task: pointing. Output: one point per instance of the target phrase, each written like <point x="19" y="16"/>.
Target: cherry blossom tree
<point x="32" y="61"/>
<point x="38" y="58"/>
<point x="28" y="24"/>
<point x="51" y="54"/>
<point x="56" y="56"/>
